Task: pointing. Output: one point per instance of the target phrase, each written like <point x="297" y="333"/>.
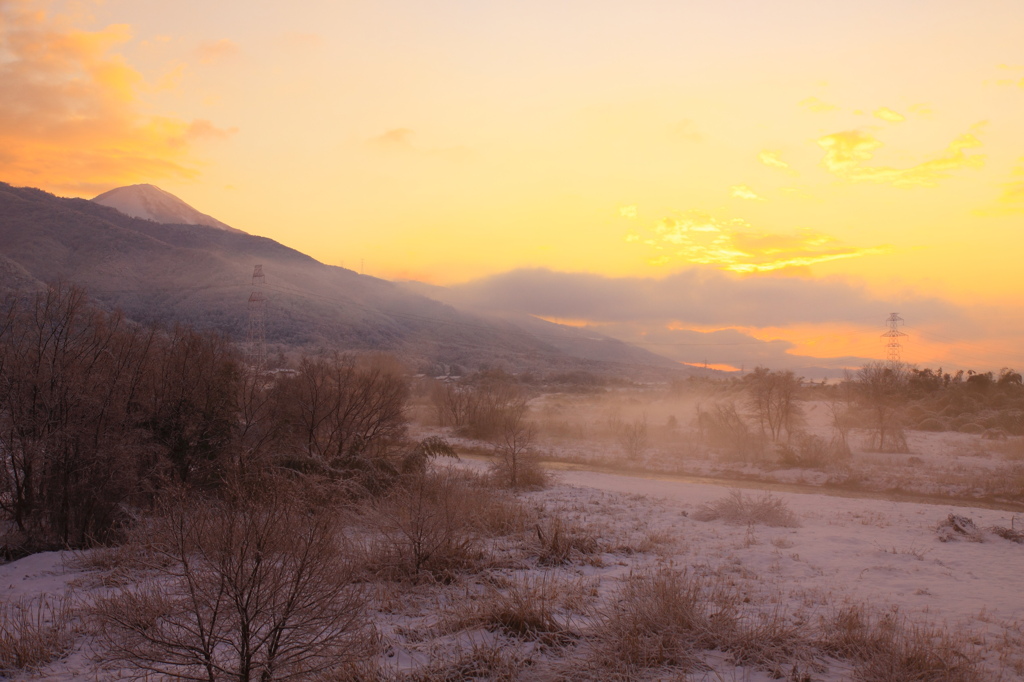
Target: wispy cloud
<point x="400" y="140"/>
<point x="697" y="296"/>
<point x="846" y="153"/>
<point x="212" y="51"/>
<point x="733" y="244"/>
<point x="772" y="159"/>
<point x="69" y="117"/>
<point x="816" y="105"/>
<point x="1011" y="200"/>
<point x="1012" y="76"/>
<point x="887" y="114"/>
<point x="744" y="192"/>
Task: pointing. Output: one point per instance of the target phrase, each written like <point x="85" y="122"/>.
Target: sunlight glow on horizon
<point x="447" y="142"/>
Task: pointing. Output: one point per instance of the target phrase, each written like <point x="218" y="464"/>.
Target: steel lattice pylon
<point x="893" y="347"/>
<point x="257" y="341"/>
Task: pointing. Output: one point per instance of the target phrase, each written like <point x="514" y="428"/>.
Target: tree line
<point x="99" y="415"/>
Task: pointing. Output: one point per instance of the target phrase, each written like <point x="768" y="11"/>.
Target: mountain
<point x="200" y="275"/>
<point x="149" y="202"/>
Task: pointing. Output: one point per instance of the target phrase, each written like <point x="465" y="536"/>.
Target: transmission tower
<point x="257" y="322"/>
<point x="893" y="336"/>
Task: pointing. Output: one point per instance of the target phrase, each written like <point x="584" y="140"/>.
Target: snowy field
<point x="890" y="559"/>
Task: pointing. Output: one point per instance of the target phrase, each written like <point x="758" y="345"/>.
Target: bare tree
<point x="881" y="388"/>
<point x="512" y="444"/>
<point x="347" y="413"/>
<point x="71" y="450"/>
<point x="772" y="396"/>
<point x="240" y="591"/>
<point x="193" y="393"/>
<point x="633" y="437"/>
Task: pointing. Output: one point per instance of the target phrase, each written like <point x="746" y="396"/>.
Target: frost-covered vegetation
<point x="215" y="523"/>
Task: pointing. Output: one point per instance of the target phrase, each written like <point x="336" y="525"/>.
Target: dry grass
<point x="659" y="618"/>
<point x="490" y="661"/>
<point x="559" y="542"/>
<point x="765" y="509"/>
<point x="887" y="647"/>
<point x="669" y="619"/>
<point x="526" y="608"/>
<point x="34" y="631"/>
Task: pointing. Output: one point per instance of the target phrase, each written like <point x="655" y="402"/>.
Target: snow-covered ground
<point x="844" y="551"/>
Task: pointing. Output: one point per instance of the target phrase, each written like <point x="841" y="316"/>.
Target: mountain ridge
<point x="201" y="275"/>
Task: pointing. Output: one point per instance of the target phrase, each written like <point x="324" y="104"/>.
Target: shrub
<point x="931" y="424"/>
<point x="633" y="437"/>
<point x="971" y="427"/>
<point x="425" y="527"/>
<point x="809" y="451"/>
<point x="738" y="508"/>
<point x="239" y="589"/>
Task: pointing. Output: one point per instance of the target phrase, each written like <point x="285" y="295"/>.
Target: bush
<point x="971" y="427"/>
<point x="239" y="589"/>
<point x="931" y="424"/>
<point x="425" y="528"/>
<point x="809" y="451"/>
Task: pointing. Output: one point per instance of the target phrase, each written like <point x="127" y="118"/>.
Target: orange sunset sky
<point x="735" y="181"/>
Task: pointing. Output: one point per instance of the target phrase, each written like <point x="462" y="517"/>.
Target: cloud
<point x="887" y="114"/>
<point x="816" y="105"/>
<point x="210" y="52"/>
<point x="744" y="192"/>
<point x="396" y="138"/>
<point x="1011" y="200"/>
<point x="628" y="211"/>
<point x="201" y="128"/>
<point x="695" y="297"/>
<point x="733" y="244"/>
<point x="399" y="140"/>
<point x="771" y="159"/>
<point x="69" y="117"/>
<point x="736" y="348"/>
<point x="846" y="152"/>
<point x="922" y="110"/>
<point x="1015" y="81"/>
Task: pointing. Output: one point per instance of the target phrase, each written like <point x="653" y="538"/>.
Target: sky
<point x="734" y="182"/>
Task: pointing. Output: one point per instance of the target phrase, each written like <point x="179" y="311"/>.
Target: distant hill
<point x="200" y="275"/>
<point x="149" y="202"/>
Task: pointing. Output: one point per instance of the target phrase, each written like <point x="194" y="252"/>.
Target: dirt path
<point x="804" y="489"/>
